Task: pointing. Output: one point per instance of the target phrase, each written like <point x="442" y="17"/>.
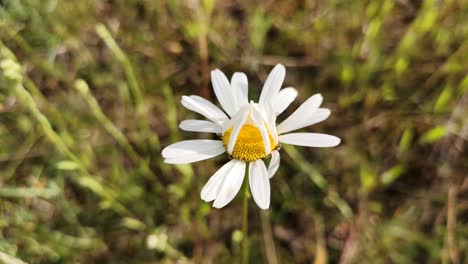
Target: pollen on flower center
<point x="249" y="144"/>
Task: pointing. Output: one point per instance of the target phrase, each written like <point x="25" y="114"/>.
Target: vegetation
<point x="89" y="95"/>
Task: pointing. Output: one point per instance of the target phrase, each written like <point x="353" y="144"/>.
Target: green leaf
<point x="368" y="179"/>
<point x="346" y="75"/>
<point x="463" y="88"/>
<point x="51" y="191"/>
<point x="132" y="223"/>
<point x="401" y="65"/>
<point x="66" y="165"/>
<point x="443" y="99"/>
<point x="392" y="174"/>
<point x="406" y="140"/>
<point x="434" y="134"/>
<point x="208" y="6"/>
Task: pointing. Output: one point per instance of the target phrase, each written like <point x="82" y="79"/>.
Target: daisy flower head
<point x="248" y="133"/>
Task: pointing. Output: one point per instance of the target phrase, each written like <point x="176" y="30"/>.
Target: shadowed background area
<point x="90" y="94"/>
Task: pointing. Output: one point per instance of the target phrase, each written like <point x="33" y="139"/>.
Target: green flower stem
<point x="245" y="221"/>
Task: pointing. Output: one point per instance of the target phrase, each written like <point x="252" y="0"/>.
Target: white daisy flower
<point x="248" y="133"/>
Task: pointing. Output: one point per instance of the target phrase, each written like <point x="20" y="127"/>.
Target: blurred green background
<point x="89" y="95"/>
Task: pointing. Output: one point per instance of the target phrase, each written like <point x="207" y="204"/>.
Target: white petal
<point x="231" y="184"/>
<point x="204" y="107"/>
<point x="189" y="151"/>
<point x="271" y="124"/>
<point x="223" y="91"/>
<point x="310" y="140"/>
<point x="240" y="88"/>
<point x="296" y="119"/>
<point x="283" y="99"/>
<point x="259" y="120"/>
<point x="211" y="189"/>
<point x="238" y="122"/>
<point x="309" y="119"/>
<point x="272" y="84"/>
<point x="316" y="117"/>
<point x="200" y="126"/>
<point x="259" y="183"/>
<point x="268" y="122"/>
<point x="274" y="163"/>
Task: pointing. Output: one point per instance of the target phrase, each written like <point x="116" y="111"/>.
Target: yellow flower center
<point x="249" y="144"/>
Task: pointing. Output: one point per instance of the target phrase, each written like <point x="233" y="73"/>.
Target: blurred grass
<point x="89" y="94"/>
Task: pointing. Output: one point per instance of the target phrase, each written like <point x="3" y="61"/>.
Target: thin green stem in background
<point x="317" y="178"/>
<point x="82" y="87"/>
<point x="270" y="250"/>
<point x="135" y="89"/>
<point x="7" y="259"/>
<point x="12" y="70"/>
<point x="245" y="220"/>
